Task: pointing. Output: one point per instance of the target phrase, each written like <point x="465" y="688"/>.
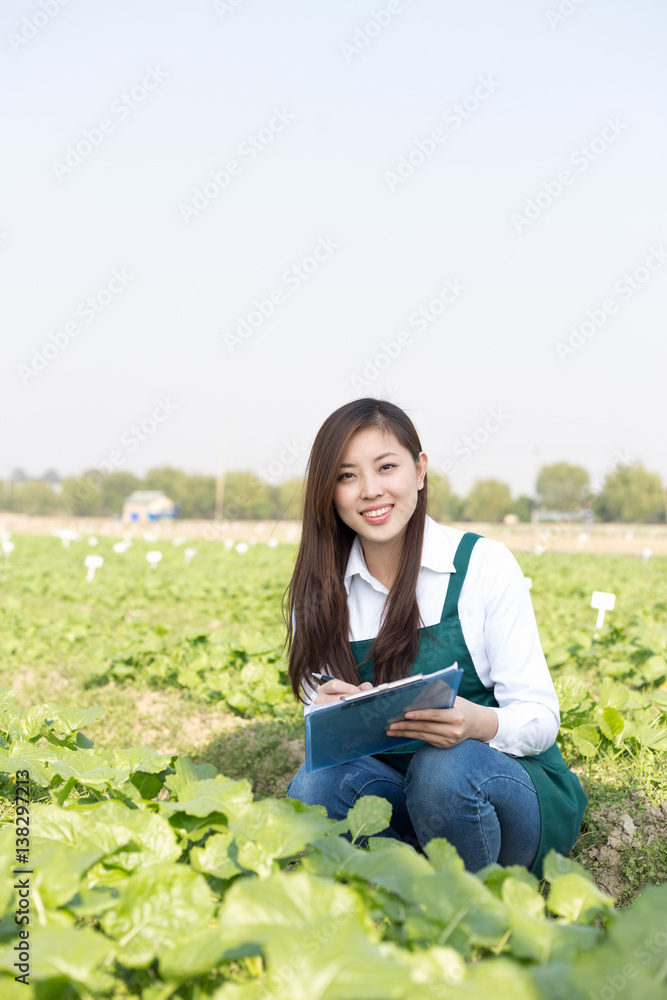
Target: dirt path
<point x="638" y="540"/>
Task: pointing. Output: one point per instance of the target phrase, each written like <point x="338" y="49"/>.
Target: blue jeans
<point x="479" y="799"/>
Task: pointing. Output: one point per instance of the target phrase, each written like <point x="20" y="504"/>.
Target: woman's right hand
<point x="332" y="691"/>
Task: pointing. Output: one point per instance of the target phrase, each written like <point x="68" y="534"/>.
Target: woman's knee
<point x="338" y="788"/>
<point x="436" y="771"/>
<point x="306" y="787"/>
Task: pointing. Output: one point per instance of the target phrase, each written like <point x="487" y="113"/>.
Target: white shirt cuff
<point x="524" y="729"/>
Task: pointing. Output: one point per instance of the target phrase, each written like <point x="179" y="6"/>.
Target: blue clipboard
<point x="355" y="726"/>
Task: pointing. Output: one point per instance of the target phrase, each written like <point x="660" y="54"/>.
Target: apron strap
<point x="461" y="561"/>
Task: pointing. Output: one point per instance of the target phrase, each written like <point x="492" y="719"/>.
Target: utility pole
<point x="535" y="512"/>
<point x="220" y="486"/>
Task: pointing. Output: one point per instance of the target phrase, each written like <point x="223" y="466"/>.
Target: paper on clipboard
<point x="355" y="726"/>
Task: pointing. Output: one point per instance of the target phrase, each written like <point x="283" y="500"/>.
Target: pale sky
<point x="498" y="166"/>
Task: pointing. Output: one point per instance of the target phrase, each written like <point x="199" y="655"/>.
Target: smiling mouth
<point x="379" y="512"/>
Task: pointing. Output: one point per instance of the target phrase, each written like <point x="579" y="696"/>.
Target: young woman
<point x="381" y="591"/>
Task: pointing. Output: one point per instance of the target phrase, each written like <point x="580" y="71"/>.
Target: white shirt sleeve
<point x="512" y="657"/>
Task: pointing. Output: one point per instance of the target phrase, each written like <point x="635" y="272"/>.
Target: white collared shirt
<point x="498" y="625"/>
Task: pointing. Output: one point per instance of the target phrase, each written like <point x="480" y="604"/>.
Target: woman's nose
<point x="371" y="488"/>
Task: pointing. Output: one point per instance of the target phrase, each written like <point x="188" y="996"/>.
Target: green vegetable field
<point x="147" y="734"/>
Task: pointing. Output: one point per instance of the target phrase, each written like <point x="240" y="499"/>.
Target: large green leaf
<point x="27" y="756"/>
<point x="139" y="759"/>
<point x="316" y="937"/>
<point x="58" y="871"/>
<point x="654" y="737"/>
<point x="632" y="962"/>
<point x="519" y="895"/>
<point x="460" y="906"/>
<point x="654" y="669"/>
<point x="129" y="837"/>
<point x="33" y="720"/>
<point x="155" y="906"/>
<point x="11" y="989"/>
<point x="211" y="795"/>
<point x="285" y="904"/>
<point x="197" y="954"/>
<point x="613" y="694"/>
<point x="390" y="863"/>
<point x="368" y="816"/>
<point x="7" y="863"/>
<point x="186" y="773"/>
<point x="69" y="720"/>
<point x="555" y="865"/>
<point x="610" y="721"/>
<point x="574" y="897"/>
<point x="214" y="859"/>
<point x="88" y="768"/>
<point x="586" y="739"/>
<point x="275" y="828"/>
<point x="70" y="955"/>
<point x="501" y="979"/>
<point x="443" y="856"/>
<point x="7" y="700"/>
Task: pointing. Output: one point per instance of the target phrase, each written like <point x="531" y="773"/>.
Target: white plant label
<point x="92" y="563"/>
<point x="603" y="602"/>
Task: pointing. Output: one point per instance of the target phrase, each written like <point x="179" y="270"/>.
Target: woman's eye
<point x="343" y="475"/>
<point x="389" y="465"/>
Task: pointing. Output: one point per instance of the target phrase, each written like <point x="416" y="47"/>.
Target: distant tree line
<point x="629" y="493"/>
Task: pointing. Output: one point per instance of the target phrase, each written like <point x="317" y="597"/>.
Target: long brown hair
<point x="315" y="602"/>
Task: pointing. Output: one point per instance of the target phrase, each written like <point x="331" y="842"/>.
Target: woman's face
<point x="378" y="485"/>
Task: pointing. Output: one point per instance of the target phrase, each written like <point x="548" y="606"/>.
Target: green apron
<point x="561" y="798"/>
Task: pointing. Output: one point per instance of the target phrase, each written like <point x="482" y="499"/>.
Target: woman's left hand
<point x="445" y="727"/>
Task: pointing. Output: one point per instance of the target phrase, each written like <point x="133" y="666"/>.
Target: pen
<point x="322" y="678"/>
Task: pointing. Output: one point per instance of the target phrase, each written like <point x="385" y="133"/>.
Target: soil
<point x="625" y="832"/>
